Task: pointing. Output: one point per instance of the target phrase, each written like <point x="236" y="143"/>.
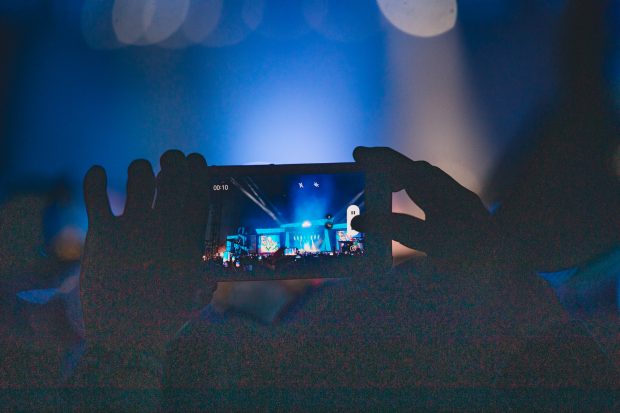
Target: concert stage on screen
<point x="301" y="223"/>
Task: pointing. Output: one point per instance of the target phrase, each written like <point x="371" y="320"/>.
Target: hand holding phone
<point x="141" y="270"/>
<point x="457" y="227"/>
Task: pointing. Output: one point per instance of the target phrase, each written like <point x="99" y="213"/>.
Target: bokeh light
<point x="164" y="18"/>
<point x="202" y="19"/>
<point x="129" y="21"/>
<point x="147" y="22"/>
<point x="424" y="18"/>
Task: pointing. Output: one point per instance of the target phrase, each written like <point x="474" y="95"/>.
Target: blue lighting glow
<point x="306" y="224"/>
<point x="37" y="296"/>
<point x="281" y="104"/>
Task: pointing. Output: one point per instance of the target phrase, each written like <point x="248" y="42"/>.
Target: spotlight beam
<point x="255" y="189"/>
<point x="258" y="202"/>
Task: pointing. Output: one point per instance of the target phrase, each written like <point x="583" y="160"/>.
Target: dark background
<point x="270" y="83"/>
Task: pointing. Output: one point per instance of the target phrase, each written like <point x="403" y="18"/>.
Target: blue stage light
<point x="306" y="224"/>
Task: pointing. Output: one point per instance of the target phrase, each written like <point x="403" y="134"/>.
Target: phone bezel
<point x="378" y="253"/>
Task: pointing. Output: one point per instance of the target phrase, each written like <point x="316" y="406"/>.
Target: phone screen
<point x="297" y="223"/>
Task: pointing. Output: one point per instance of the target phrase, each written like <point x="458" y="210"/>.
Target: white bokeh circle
<point x="423" y="18"/>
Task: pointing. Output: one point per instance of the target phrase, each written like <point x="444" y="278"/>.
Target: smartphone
<point x="271" y="222"/>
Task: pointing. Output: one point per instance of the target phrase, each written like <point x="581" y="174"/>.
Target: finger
<point x="172" y="183"/>
<point x="408" y="230"/>
<point x="197" y="205"/>
<point x="199" y="180"/>
<point x="393" y="166"/>
<point x="96" y="196"/>
<point x="140" y="188"/>
<point x="386" y="161"/>
<point x="427" y="185"/>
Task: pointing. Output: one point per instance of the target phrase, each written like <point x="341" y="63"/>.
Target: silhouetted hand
<point x="470" y="256"/>
<point x="457" y="227"/>
<point x="141" y="273"/>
